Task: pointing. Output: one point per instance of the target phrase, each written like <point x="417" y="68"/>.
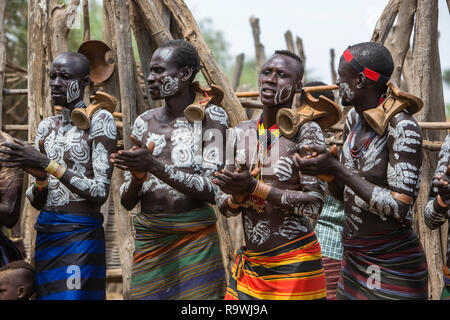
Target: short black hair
<point x="374" y="56"/>
<point x="84" y="62"/>
<point x="327" y="93"/>
<point x="294" y="56"/>
<point x="29" y="275"/>
<point x="184" y="55"/>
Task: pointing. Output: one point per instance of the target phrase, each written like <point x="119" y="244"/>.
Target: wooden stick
<point x="332" y="66"/>
<point x="14" y="92"/>
<point x="87" y="25"/>
<point x="237" y="70"/>
<point x="259" y="47"/>
<point x="385" y="22"/>
<point x="2" y="55"/>
<point x="289" y="41"/>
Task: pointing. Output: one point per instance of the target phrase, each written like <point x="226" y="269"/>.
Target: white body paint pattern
<point x="283" y="94"/>
<point x="345" y="92"/>
<point x="283" y="169"/>
<point x="259" y="233"/>
<point x="67" y="143"/>
<point x="186" y="152"/>
<point x="434" y="219"/>
<point x="291" y="228"/>
<point x="402" y="138"/>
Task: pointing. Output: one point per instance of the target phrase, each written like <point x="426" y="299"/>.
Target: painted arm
<point x="104" y="140"/>
<point x="436" y="210"/>
<point x="207" y="158"/>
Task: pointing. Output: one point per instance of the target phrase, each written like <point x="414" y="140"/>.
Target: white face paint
<point x="169" y="86"/>
<point x="283" y="95"/>
<point x="73" y="91"/>
<point x="345" y="92"/>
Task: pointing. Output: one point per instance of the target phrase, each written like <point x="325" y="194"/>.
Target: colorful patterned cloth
<point x="384" y="266"/>
<point x="446" y="289"/>
<point x="329" y="228"/>
<point x="292" y="271"/>
<point x="332" y="268"/>
<point x="177" y="256"/>
<point x="70" y="258"/>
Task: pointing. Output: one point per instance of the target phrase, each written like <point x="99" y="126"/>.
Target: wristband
<point x="262" y="190"/>
<point x="441" y="202"/>
<point x="41" y="185"/>
<point x="232" y="204"/>
<point x="55" y="169"/>
<point x="402" y="197"/>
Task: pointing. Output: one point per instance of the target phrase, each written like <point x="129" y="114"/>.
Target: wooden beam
<point x="333" y="67"/>
<point x="289" y="41"/>
<point x="385" y="22"/>
<point x="211" y="71"/>
<point x="86" y="22"/>
<point x="427" y="85"/>
<point x="260" y="54"/>
<point x="14" y="92"/>
<point x="2" y="56"/>
<point x="301" y="54"/>
<point x="237" y="71"/>
<point x="62" y="18"/>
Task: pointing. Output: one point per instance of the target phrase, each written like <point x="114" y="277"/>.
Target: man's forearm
<point x="130" y="192"/>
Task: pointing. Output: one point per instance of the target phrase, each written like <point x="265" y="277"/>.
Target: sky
<point x="321" y="24"/>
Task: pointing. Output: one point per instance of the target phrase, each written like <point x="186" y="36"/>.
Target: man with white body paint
<point x="436" y="211"/>
<point x="377" y="178"/>
<point x="71" y="180"/>
<point x="282" y="258"/>
<point x="169" y="171"/>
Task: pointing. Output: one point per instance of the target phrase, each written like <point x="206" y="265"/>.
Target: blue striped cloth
<point x="70" y="257"/>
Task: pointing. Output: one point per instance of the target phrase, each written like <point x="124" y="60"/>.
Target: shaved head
<point x="76" y="61"/>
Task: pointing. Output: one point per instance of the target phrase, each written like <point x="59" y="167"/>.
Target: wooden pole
<point x="237" y="71"/>
<point x="333" y="67"/>
<point x="399" y="44"/>
<point x="427" y="85"/>
<point x="385" y="22"/>
<point x="211" y="71"/>
<point x="145" y="45"/>
<point x="39" y="99"/>
<point x="259" y="47"/>
<point x="301" y="54"/>
<point x="2" y="56"/>
<point x="86" y="22"/>
<point x="61" y="21"/>
<point x="289" y="41"/>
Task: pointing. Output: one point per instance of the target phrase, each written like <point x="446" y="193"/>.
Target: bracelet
<point x="441" y="202"/>
<point x="402" y="197"/>
<point x="232" y="204"/>
<point x="41" y="185"/>
<point x="55" y="169"/>
<point x="262" y="190"/>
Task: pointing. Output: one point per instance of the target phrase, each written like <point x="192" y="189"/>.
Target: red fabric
<point x="332" y="268"/>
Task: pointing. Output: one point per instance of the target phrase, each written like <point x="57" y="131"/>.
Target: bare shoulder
<point x="216" y="114"/>
<point x="404" y="121"/>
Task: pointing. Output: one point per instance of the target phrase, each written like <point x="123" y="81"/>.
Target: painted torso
<point x="85" y="153"/>
<point x="387" y="164"/>
<point x="183" y="148"/>
<point x="274" y="226"/>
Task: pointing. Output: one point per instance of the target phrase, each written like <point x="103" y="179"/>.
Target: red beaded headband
<point x="372" y="75"/>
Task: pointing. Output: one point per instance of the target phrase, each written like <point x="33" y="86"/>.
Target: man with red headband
<point x="378" y="179"/>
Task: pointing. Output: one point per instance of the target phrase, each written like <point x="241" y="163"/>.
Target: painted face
<point x="345" y="81"/>
<point x="277" y="81"/>
<point x="164" y="78"/>
<point x="8" y="290"/>
<point x="65" y="82"/>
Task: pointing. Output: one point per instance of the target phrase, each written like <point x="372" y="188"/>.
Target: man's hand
<point x="24" y="155"/>
<point x="442" y="181"/>
<point x="138" y="160"/>
<point x="239" y="183"/>
<point x="316" y="161"/>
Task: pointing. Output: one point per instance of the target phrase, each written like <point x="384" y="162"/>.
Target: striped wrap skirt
<point x="384" y="266"/>
<point x="292" y="271"/>
<point x="70" y="258"/>
<point x="177" y="257"/>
